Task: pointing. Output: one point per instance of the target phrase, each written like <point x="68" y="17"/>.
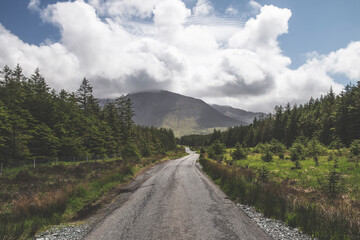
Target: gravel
<point x="275" y="228"/>
<point x="61" y="232"/>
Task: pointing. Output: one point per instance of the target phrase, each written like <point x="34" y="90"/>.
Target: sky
<point x="243" y="53"/>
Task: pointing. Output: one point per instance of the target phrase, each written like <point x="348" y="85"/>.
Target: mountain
<point x="238" y="114"/>
<point x="185" y="115"/>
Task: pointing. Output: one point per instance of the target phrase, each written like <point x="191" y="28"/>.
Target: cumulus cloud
<point x="126" y="46"/>
<point x="203" y="8"/>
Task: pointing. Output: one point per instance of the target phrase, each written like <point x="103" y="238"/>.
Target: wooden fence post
<point x="34" y="162"/>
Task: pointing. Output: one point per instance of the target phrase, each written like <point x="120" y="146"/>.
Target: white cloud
<point x="34" y="5"/>
<point x="230" y="11"/>
<point x="194" y="54"/>
<point x="255" y="5"/>
<point x="203" y="8"/>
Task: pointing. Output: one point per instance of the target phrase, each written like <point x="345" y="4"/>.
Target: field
<point x="33" y="199"/>
<point x="309" y="176"/>
<point x="321" y="199"/>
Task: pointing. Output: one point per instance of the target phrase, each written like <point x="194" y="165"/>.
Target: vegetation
<point x="32" y="199"/>
<point x="332" y="120"/>
<point x="303" y="167"/>
<point x="36" y="123"/>
<point x="310" y="211"/>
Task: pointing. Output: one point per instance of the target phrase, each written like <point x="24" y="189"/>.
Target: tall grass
<point x="316" y="218"/>
<point x="30" y="212"/>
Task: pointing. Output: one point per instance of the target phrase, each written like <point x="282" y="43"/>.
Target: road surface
<point x="177" y="202"/>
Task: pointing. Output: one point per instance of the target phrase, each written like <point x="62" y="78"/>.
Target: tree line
<point x="334" y="120"/>
<point x="37" y="122"/>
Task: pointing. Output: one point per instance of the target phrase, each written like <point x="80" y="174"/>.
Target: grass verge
<point x="311" y="212"/>
<point x="35" y="199"/>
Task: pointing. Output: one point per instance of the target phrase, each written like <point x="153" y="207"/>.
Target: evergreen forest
<point x="334" y="120"/>
<point x="37" y="122"/>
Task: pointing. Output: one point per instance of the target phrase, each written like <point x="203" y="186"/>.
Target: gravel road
<point x="177" y="202"/>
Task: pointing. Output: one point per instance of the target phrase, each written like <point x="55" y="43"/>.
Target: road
<point x="177" y="202"/>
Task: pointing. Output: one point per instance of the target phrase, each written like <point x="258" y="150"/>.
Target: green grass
<point x="309" y="176"/>
<point x="34" y="199"/>
<point x="311" y="212"/>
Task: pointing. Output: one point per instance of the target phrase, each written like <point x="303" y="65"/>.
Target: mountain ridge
<point x="183" y="114"/>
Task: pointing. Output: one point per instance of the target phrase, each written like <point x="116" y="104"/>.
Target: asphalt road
<point x="177" y="201"/>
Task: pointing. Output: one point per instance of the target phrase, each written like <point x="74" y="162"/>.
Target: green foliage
<point x="37" y="123"/>
<point x="267" y="156"/>
<point x="334" y="184"/>
<point x="355" y="147"/>
<point x="216" y="150"/>
<point x="297" y="165"/>
<point x="130" y="152"/>
<point x="332" y="120"/>
<point x="263" y="174"/>
<point x="277" y="147"/>
<point x="297" y="152"/>
<point x="239" y="152"/>
<point x="272" y="199"/>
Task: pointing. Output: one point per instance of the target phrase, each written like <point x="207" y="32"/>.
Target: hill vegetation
<point x="38" y="123"/>
<point x="333" y="120"/>
<point x="299" y="165"/>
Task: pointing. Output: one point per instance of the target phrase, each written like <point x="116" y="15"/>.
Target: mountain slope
<point x="185" y="115"/>
<point x="238" y="114"/>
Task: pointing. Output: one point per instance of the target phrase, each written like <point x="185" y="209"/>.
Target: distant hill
<point x="185" y="115"/>
<point x="239" y="114"/>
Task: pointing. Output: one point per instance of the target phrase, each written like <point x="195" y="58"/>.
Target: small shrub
<point x="277" y="147"/>
<point x="264" y="174"/>
<point x="355" y="147"/>
<point x="316" y="160"/>
<point x="297" y="152"/>
<point x="336" y="144"/>
<point x="239" y="153"/>
<point x="216" y="150"/>
<point x="334" y="184"/>
<point x="267" y="157"/>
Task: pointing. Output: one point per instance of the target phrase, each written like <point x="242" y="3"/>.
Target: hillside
<point x="185" y="115"/>
<point x="238" y="114"/>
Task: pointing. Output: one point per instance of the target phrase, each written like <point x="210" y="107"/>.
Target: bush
<point x="277" y="147"/>
<point x="130" y="152"/>
<point x="239" y="153"/>
<point x="297" y="152"/>
<point x="261" y="148"/>
<point x="336" y="144"/>
<point x="216" y="150"/>
<point x="355" y="147"/>
<point x="267" y="157"/>
<point x="315" y="148"/>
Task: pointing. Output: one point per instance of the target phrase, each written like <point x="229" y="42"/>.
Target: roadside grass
<point x="285" y="199"/>
<point x="309" y="176"/>
<point x="34" y="199"/>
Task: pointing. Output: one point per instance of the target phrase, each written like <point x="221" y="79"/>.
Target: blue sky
<point x="312" y="35"/>
<point x="322" y="26"/>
